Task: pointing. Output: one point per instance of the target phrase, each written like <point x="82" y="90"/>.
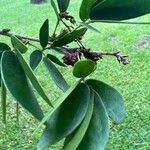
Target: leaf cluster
<point x="81" y="115"/>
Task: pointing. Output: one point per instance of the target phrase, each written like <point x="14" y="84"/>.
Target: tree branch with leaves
<point x="81" y="115"/>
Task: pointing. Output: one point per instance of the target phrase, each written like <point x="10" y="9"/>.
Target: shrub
<point x="81" y="115"/>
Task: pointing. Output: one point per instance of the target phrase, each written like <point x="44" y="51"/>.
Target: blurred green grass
<point x="132" y="80"/>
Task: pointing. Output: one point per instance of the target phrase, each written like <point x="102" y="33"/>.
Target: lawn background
<point x="131" y="80"/>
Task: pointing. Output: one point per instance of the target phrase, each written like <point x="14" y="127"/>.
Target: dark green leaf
<point x="55" y="8"/>
<point x="18" y="44"/>
<point x="67" y="117"/>
<point x="56" y="75"/>
<point x="0" y="67"/>
<point x="55" y="60"/>
<point x="15" y="80"/>
<point x="62" y="33"/>
<point x="90" y="27"/>
<point x="57" y="104"/>
<point x="35" y="58"/>
<point x="63" y="5"/>
<point x="83" y="68"/>
<point x="4" y="47"/>
<point x="85" y="9"/>
<point x="73" y="140"/>
<point x="121" y="22"/>
<point x="68" y="38"/>
<point x="98" y="2"/>
<point x="119" y="10"/>
<point x="112" y="99"/>
<point x="3" y="101"/>
<point x="31" y="76"/>
<point x="44" y="34"/>
<point x="97" y="133"/>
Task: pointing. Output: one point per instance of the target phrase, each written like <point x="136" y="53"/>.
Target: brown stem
<point x="6" y="32"/>
<point x="120" y="57"/>
<point x="64" y="49"/>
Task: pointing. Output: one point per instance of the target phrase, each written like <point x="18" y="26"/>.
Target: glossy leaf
<point x="68" y="38"/>
<point x="112" y="99"/>
<point x="97" y="134"/>
<point x="4" y="47"/>
<point x="0" y="68"/>
<point x="63" y="5"/>
<point x="15" y="80"/>
<point x="98" y="2"/>
<point x="67" y="117"/>
<point x="73" y="140"/>
<point x="62" y="33"/>
<point x="3" y="101"/>
<point x="85" y="9"/>
<point x="35" y="58"/>
<point x="57" y="104"/>
<point x="44" y="34"/>
<point x="83" y="68"/>
<point x="90" y="27"/>
<point x="120" y="22"/>
<point x="56" y="75"/>
<point x="18" y="44"/>
<point x="55" y="8"/>
<point x="119" y="10"/>
<point x="31" y="76"/>
<point x="55" y="60"/>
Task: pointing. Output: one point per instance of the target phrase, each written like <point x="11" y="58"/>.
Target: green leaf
<point x="4" y="47"/>
<point x="83" y="68"/>
<point x="55" y="8"/>
<point x="90" y="27"/>
<point x="0" y="68"/>
<point x="15" y="80"/>
<point x="97" y="133"/>
<point x="119" y="10"/>
<point x="55" y="60"/>
<point x="73" y="140"/>
<point x="85" y="9"/>
<point x="68" y="38"/>
<point x="56" y="75"/>
<point x="35" y="58"/>
<point x="44" y="34"/>
<point x="3" y="101"/>
<point x="57" y="104"/>
<point x="67" y="117"/>
<point x="63" y="5"/>
<point x="98" y="2"/>
<point x="121" y="22"/>
<point x="18" y="44"/>
<point x="31" y="76"/>
<point x="112" y="99"/>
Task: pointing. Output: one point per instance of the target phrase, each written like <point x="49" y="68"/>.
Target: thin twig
<point x="6" y="32"/>
<point x="67" y="50"/>
<point x="56" y="28"/>
<point x="120" y="57"/>
<point x="9" y="34"/>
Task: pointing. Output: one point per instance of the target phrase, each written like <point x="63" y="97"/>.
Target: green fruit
<point x="83" y="68"/>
